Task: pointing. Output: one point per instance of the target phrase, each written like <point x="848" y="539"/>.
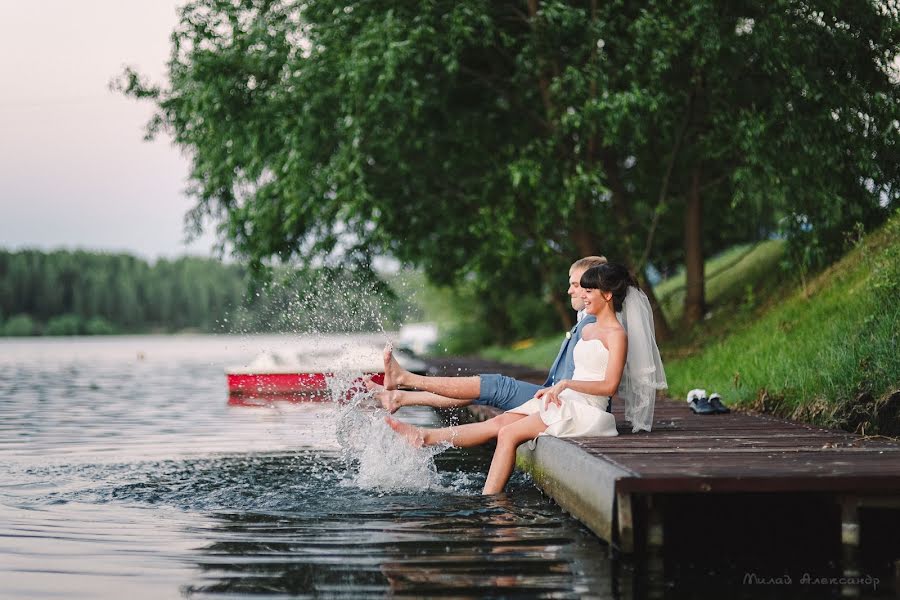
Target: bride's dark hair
<point x="610" y="277"/>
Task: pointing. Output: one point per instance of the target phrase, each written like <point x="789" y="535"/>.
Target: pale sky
<point x="74" y="169"/>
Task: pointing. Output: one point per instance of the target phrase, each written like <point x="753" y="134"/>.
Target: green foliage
<point x="67" y="324"/>
<point x="19" y="325"/>
<point x="464" y="323"/>
<point x="829" y="342"/>
<point x="95" y="293"/>
<point x="98" y="326"/>
<point x="495" y="140"/>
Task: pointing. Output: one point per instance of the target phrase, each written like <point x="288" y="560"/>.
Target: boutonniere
<point x="568" y="335"/>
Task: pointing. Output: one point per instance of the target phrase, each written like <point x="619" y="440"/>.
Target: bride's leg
<point x="391" y="400"/>
<point x="508" y="439"/>
<point x="460" y="436"/>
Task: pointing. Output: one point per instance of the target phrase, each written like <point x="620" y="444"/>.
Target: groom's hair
<point x="587" y="262"/>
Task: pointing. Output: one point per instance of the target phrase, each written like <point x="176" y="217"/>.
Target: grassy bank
<point x="826" y="352"/>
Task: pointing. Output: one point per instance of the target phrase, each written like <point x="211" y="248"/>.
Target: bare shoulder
<point x="610" y="335"/>
<point x="616" y="335"/>
<point x="592" y="331"/>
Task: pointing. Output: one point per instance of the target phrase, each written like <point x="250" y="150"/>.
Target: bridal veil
<point x="643" y="374"/>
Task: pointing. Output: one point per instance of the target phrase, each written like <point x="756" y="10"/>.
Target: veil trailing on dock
<point x="643" y="374"/>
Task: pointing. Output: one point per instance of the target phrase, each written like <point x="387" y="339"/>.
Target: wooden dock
<point x="620" y="486"/>
<point x="640" y="492"/>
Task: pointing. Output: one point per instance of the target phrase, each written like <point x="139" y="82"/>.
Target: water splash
<point x="381" y="460"/>
<point x="315" y="308"/>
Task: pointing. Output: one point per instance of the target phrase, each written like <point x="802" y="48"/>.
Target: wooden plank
<point x="751" y="450"/>
<point x="888" y="485"/>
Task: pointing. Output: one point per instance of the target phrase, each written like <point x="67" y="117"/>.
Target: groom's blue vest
<point x="564" y="365"/>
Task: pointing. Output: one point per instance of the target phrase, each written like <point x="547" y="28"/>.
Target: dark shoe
<point x="715" y="401"/>
<point x="698" y="403"/>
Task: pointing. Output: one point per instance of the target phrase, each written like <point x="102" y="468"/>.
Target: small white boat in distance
<point x="419" y="338"/>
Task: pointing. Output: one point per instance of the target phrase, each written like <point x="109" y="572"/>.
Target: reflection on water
<point x="127" y="473"/>
<point x="421" y="544"/>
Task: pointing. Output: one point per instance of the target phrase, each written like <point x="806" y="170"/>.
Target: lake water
<point x="125" y="472"/>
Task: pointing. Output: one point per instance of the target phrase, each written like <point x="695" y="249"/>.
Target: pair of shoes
<point x="716" y="402"/>
<point x="701" y="405"/>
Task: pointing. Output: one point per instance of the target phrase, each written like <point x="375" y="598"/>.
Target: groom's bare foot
<point x="409" y="432"/>
<point x="393" y="372"/>
<point x="370" y="385"/>
<point x="390" y="399"/>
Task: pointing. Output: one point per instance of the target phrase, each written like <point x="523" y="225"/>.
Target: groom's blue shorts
<point x="505" y="392"/>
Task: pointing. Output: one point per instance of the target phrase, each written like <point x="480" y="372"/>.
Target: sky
<point x="75" y="171"/>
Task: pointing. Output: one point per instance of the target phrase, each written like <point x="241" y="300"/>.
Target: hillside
<point x="824" y="352"/>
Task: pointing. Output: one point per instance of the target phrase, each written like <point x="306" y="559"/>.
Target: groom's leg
<point x="489" y="389"/>
<point x="499" y="391"/>
<point x="464" y="388"/>
<point x="505" y="392"/>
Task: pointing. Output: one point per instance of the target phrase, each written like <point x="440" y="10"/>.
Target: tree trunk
<point x="557" y="298"/>
<point x="695" y="280"/>
<point x="563" y="309"/>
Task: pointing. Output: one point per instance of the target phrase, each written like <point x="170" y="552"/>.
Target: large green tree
<point x="788" y="117"/>
<point x="494" y="141"/>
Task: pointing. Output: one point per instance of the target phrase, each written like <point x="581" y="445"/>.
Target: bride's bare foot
<point x="390" y="399"/>
<point x="370" y="385"/>
<point x="412" y="434"/>
<point x="393" y="372"/>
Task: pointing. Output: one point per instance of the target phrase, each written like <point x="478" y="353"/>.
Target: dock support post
<point x="625" y="522"/>
<point x="850" y="539"/>
<point x="656" y="577"/>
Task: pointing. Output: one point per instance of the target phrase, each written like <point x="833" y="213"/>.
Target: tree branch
<point x="664" y="188"/>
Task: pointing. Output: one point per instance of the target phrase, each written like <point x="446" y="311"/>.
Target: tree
<point x="19" y="325"/>
<point x="759" y="90"/>
<point x="485" y="141"/>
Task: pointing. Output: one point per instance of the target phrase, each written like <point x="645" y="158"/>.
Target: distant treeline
<point x="90" y="293"/>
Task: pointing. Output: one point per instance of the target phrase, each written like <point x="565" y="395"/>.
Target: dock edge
<point x="582" y="484"/>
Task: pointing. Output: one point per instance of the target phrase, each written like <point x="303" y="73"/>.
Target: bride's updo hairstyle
<point x="610" y="277"/>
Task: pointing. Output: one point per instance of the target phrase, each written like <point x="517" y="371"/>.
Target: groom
<point x="495" y="390"/>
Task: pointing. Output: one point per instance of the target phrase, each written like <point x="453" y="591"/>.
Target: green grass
<point x="815" y="348"/>
<point x="770" y="343"/>
<point x="539" y="354"/>
<point x="729" y="276"/>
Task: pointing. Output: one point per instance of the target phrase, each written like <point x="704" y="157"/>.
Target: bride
<point x="607" y="360"/>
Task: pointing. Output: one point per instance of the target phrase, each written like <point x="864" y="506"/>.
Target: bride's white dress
<point x="580" y="414"/>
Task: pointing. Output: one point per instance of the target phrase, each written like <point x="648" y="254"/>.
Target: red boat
<point x="306" y="376"/>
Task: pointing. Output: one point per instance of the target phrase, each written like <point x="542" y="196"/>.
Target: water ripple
<point x="127" y="473"/>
